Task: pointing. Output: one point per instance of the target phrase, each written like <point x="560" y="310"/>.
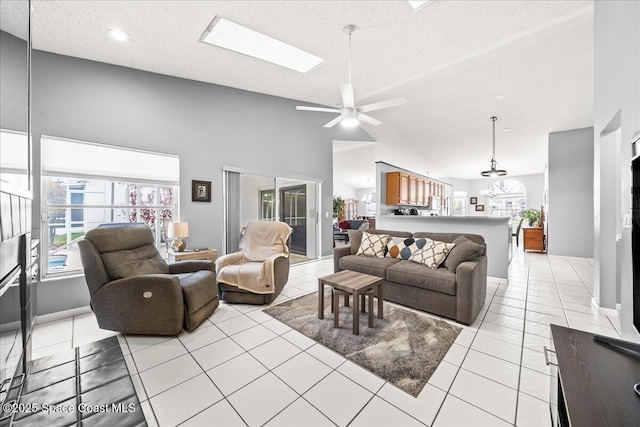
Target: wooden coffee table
<point x="354" y="283"/>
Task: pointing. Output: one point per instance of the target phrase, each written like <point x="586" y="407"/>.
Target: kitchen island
<point x="495" y="230"/>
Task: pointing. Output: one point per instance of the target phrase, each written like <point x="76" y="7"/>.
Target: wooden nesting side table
<point x="202" y="254"/>
<point x="355" y="284"/>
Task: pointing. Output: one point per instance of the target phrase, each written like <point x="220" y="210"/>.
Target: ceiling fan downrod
<point x="349" y="29"/>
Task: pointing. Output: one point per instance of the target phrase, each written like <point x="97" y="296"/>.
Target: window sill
<point x="57" y="278"/>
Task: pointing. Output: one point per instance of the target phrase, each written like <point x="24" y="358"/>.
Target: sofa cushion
<point x="403" y="248"/>
<point x="355" y="236"/>
<point x="418" y="275"/>
<point x="367" y="265"/>
<point x="464" y="250"/>
<point x="432" y="254"/>
<point x="373" y="245"/>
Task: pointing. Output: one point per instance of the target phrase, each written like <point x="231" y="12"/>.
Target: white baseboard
<point x="613" y="312"/>
<point x="59" y="315"/>
<point x="11" y="326"/>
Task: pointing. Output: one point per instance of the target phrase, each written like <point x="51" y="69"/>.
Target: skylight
<point x="415" y="5"/>
<point x="229" y="35"/>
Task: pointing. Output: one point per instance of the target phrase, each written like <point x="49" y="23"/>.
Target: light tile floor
<point x="241" y="367"/>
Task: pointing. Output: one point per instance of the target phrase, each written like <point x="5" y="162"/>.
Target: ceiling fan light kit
<point x="349" y="119"/>
<point x="350" y="115"/>
<point x="494" y="171"/>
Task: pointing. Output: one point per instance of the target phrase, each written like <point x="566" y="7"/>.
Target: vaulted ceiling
<point x="450" y="59"/>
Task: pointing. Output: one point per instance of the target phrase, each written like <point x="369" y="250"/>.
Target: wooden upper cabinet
<point x="413" y="190"/>
<point x="397" y="188"/>
<point x="405" y="189"/>
<point x="420" y="198"/>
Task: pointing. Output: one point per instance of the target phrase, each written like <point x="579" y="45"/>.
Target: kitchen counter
<point x="450" y="218"/>
<point x="495" y="230"/>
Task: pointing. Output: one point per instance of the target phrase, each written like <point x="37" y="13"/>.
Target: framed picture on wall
<point x="200" y="191"/>
<point x="473" y="201"/>
<point x="479" y="208"/>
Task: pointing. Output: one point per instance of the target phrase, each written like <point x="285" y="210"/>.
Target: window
<point x="506" y="197"/>
<point x="75" y="200"/>
<point x="459" y="203"/>
<point x="267" y="201"/>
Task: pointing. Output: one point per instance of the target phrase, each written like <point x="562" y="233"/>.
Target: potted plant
<point x="338" y="208"/>
<point x="531" y="215"/>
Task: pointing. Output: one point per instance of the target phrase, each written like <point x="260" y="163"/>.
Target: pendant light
<point x="494" y="172"/>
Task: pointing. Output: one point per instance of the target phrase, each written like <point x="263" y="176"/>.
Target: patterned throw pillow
<point x="403" y="248"/>
<point x="373" y="244"/>
<point x="432" y="254"/>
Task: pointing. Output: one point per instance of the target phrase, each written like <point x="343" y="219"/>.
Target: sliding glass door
<point x="293" y="211"/>
<point x="251" y="197"/>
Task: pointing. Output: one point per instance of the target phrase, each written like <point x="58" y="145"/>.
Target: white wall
<point x="617" y="89"/>
<point x="570" y="172"/>
<point x="342" y="189"/>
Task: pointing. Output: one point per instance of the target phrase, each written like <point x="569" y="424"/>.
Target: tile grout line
<point x="524" y="328"/>
<point x="447" y="392"/>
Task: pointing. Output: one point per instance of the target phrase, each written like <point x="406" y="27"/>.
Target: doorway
<point x="251" y="197"/>
<point x="293" y="211"/>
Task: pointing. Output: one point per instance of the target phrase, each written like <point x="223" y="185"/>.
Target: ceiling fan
<point x="350" y="115"/>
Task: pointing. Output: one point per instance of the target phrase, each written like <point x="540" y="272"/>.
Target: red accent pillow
<point x="344" y="225"/>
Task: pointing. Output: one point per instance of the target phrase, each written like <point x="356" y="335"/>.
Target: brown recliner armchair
<point x="258" y="272"/>
<point x="134" y="291"/>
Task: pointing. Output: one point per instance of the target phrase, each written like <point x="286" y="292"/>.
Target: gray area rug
<point x="404" y="348"/>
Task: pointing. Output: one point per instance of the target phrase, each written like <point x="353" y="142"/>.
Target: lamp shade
<point x="178" y="229"/>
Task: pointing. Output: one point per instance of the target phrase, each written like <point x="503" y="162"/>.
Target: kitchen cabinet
<point x="410" y="190"/>
<point x="397" y="188"/>
<point x="420" y="198"/>
<point x="413" y="190"/>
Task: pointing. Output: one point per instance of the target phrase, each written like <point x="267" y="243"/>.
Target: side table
<point x="533" y="239"/>
<point x="355" y="284"/>
<point x="201" y="254"/>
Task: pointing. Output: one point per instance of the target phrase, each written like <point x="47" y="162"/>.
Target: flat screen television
<point x="635" y="236"/>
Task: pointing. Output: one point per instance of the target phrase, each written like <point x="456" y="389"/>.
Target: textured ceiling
<point x="450" y="60"/>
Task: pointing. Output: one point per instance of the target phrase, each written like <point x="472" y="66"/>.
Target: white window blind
<point x="64" y="157"/>
<point x="14" y="151"/>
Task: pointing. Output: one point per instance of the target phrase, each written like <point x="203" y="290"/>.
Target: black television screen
<point x="635" y="238"/>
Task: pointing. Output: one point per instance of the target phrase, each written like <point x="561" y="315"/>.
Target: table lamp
<point x="178" y="230"/>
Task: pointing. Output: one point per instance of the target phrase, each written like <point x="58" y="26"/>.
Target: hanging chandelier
<point x="494" y="172"/>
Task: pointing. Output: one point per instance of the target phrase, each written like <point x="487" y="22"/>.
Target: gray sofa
<point x="457" y="294"/>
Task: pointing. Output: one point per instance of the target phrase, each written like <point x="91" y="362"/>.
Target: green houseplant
<point x="531" y="215"/>
<point x="338" y="207"/>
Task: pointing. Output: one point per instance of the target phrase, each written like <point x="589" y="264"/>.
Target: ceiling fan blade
<point x="333" y="122"/>
<point x="369" y="119"/>
<point x="347" y="95"/>
<point x="324" y="110"/>
<point x="382" y="104"/>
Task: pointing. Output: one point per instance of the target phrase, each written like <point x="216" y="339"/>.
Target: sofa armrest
<point x="338" y="253"/>
<point x="191" y="266"/>
<point x="471" y="289"/>
<point x="145" y="304"/>
<point x="228" y="259"/>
